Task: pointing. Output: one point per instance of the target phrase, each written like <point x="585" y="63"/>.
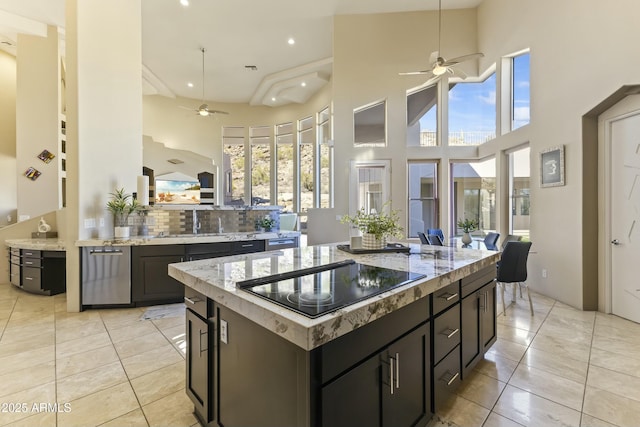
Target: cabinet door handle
<point x="486" y="300"/>
<point x="248" y="245"/>
<point x="202" y="350"/>
<point x="450" y="334"/>
<point x="450" y="380"/>
<point x="397" y="370"/>
<point x="28" y="278"/>
<point x="391" y="373"/>
<point x="448" y="296"/>
<point x="192" y="300"/>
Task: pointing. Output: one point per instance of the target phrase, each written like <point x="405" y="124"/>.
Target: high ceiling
<point x="235" y="34"/>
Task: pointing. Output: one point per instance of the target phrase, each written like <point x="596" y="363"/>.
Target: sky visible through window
<point x="472" y="107"/>
<point x="521" y="93"/>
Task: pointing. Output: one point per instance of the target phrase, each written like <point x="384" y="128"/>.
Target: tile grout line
<point x="519" y="362"/>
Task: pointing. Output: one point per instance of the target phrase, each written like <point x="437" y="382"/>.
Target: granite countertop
<point x="60" y="244"/>
<point x="37" y="244"/>
<point x="217" y="278"/>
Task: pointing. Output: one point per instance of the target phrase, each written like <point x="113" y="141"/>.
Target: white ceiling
<point x="234" y="33"/>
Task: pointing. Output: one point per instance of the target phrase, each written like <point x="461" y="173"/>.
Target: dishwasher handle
<point x="101" y="252"/>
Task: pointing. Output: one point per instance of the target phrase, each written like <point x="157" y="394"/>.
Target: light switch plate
<point x="224" y="333"/>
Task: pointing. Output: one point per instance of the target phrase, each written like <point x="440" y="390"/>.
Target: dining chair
<point x="510" y="238"/>
<point x="490" y="241"/>
<point x="436" y="231"/>
<point x="512" y="268"/>
<point x="423" y="238"/>
<point x="435" y="240"/>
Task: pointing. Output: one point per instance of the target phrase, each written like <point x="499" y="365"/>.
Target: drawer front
<point x="195" y="301"/>
<point x="445" y="297"/>
<point x="475" y="281"/>
<point x="32" y="262"/>
<point x="29" y="253"/>
<point x="446" y="378"/>
<point x="248" y="246"/>
<point x="446" y="333"/>
<point x="31" y="278"/>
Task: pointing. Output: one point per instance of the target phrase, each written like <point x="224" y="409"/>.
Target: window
<point x="325" y="167"/>
<point x="369" y="187"/>
<point x="472" y="112"/>
<point x="233" y="165"/>
<point x="519" y="189"/>
<point x="423" y="201"/>
<point x="520" y="99"/>
<point x="306" y="160"/>
<point x="260" y="142"/>
<point x="422" y="117"/>
<point x="284" y="165"/>
<point x="473" y="194"/>
<point x="369" y="125"/>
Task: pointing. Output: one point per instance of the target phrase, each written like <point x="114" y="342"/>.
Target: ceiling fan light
<point x="203" y="112"/>
<point x="439" y="70"/>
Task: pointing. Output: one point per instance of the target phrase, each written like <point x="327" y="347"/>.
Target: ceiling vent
<point x="175" y="161"/>
<point x="251" y="67"/>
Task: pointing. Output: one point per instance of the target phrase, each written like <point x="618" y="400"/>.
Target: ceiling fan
<point x="440" y="65"/>
<point x="203" y="109"/>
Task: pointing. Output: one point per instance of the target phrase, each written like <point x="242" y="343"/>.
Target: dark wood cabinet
<point x="38" y="272"/>
<point x="150" y="282"/>
<point x="197" y="381"/>
<point x="478" y="317"/>
<point x="391" y="388"/>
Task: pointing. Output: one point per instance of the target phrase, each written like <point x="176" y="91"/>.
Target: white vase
<point x="466" y="238"/>
<point x="369" y="241"/>
<point x="121" y="232"/>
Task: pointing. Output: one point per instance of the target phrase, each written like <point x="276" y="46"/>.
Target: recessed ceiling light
<point x="273" y="98"/>
<point x="190" y="84"/>
<point x="303" y="84"/>
<point x="184" y="2"/>
<point x="291" y="40"/>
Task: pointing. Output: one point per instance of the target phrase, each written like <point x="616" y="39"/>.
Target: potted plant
<point x="467" y="225"/>
<point x="121" y="206"/>
<point x="375" y="227"/>
<point x="266" y="223"/>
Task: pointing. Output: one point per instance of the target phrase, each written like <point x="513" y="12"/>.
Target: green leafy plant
<point x="468" y="225"/>
<point x="266" y="222"/>
<point x="121" y="206"/>
<point x="379" y="224"/>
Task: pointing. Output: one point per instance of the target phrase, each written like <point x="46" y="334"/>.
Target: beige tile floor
<point x="108" y="367"/>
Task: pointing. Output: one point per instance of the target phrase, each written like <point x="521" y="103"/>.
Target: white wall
<point x="37" y="126"/>
<point x="8" y="188"/>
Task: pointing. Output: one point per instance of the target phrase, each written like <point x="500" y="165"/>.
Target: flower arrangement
<point x="381" y="225"/>
<point x="468" y="225"/>
<point x="266" y="223"/>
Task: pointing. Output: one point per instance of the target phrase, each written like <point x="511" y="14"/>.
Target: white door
<point x="625" y="214"/>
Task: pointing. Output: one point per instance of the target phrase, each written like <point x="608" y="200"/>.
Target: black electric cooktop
<point x="320" y="290"/>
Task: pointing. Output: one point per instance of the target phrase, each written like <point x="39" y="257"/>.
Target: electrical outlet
<point x="101" y="222"/>
<point x="544" y="273"/>
<point x="89" y="223"/>
<point x="224" y="332"/>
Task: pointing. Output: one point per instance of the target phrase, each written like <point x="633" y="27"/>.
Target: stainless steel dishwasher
<point x="106" y="275"/>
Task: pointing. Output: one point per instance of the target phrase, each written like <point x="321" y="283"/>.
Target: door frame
<point x="621" y="110"/>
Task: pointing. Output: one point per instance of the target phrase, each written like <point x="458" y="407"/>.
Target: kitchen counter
<point x="61" y="245"/>
<point x="217" y="279"/>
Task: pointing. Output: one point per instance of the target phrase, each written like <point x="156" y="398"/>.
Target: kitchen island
<point x="389" y="359"/>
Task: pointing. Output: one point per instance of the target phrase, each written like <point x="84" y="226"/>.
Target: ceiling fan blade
<point x="463" y="58"/>
<point x="211" y="112"/>
<point x="414" y="73"/>
<point x="187" y="108"/>
<point x="433" y="57"/>
<point x="456" y="72"/>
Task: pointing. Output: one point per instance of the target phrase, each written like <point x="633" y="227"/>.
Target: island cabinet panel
<point x="150" y="282"/>
<point x="391" y="388"/>
<point x="197" y="381"/>
<point x="263" y="379"/>
<point x="478" y="317"/>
